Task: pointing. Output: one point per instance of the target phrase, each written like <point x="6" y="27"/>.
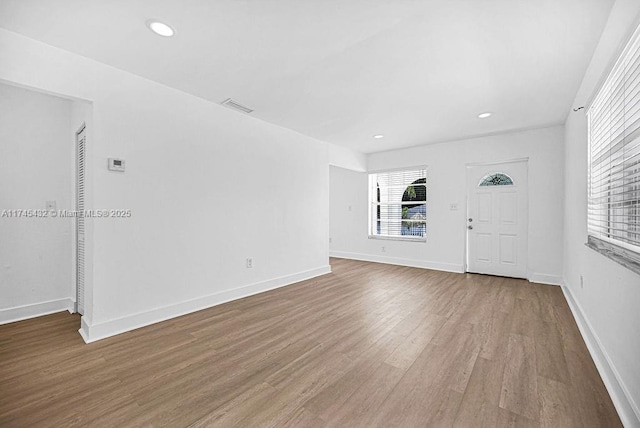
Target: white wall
<point x="207" y="186"/>
<point x="35" y="253"/>
<point x="446" y="185"/>
<point x="607" y="307"/>
<point x="344" y="157"/>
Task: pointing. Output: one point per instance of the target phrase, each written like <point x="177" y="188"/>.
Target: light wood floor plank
<point x="407" y="352"/>
<point x="550" y="358"/>
<point x="481" y="400"/>
<point x="557" y="404"/>
<point x="360" y="407"/>
<point x="519" y="382"/>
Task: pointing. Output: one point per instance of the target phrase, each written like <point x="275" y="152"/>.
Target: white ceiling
<point x="417" y="71"/>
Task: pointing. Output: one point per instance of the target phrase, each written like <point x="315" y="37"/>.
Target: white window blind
<point x="614" y="160"/>
<point x="398" y="204"/>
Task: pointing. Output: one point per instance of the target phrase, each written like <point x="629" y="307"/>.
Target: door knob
<point x="470" y="219"/>
<point x="469" y="227"/>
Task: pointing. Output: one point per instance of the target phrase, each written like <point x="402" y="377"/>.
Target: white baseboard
<point x="543" y="278"/>
<point x="622" y="400"/>
<point x="93" y="332"/>
<point x="35" y="310"/>
<point x="448" y="267"/>
<point x="83" y="329"/>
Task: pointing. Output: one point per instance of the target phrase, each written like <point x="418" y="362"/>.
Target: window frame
<point x="601" y="237"/>
<point x="372" y="197"/>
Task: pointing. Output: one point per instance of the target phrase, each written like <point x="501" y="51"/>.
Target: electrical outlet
<point x="384" y="249"/>
<point x="453" y="207"/>
<point x="249" y="263"/>
<point x="581" y="281"/>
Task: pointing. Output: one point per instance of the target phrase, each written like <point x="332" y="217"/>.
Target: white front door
<point x="497" y="219"/>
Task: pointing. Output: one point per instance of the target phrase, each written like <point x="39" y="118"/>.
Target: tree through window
<point x="414" y="216"/>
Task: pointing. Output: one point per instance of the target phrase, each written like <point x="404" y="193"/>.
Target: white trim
<point x="91" y="333"/>
<point x="622" y="400"/>
<point x="447" y="267"/>
<point x="35" y="310"/>
<point x="403" y="168"/>
<point x="525" y="159"/>
<point x="543" y="278"/>
<point x="84" y="328"/>
<point x="405" y="238"/>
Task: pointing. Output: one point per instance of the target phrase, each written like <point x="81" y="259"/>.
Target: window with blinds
<point x="614" y="161"/>
<point x="398" y="204"/>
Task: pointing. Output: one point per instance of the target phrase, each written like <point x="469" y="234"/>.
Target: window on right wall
<point x="614" y="162"/>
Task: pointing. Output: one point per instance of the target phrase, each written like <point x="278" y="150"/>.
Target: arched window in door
<point x="497" y="179"/>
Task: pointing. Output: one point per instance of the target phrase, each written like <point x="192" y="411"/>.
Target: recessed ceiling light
<point x="160" y="28"/>
<point x="484" y="115"/>
<point x="378" y="136"/>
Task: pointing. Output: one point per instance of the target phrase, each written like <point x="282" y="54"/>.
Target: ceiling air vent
<point x="236" y="106"/>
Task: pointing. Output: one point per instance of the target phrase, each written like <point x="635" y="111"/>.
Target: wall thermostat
<point x="116" y="165"/>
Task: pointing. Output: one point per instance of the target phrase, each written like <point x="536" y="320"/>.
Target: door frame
<point x="466" y="209"/>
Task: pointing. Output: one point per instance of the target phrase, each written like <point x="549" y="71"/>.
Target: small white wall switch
<point x="116" y="165"/>
<point x="453" y="207"/>
<point x="51" y="205"/>
<point x="384" y="249"/>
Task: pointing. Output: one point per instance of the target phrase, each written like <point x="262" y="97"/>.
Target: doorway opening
<point x="38" y="172"/>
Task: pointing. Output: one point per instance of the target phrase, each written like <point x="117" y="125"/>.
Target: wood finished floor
<point x="369" y="345"/>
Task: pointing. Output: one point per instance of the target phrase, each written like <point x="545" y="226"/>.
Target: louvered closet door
<point x="80" y="221"/>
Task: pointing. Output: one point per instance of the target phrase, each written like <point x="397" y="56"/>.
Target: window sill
<point x="610" y="254"/>
<point x="399" y="238"/>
